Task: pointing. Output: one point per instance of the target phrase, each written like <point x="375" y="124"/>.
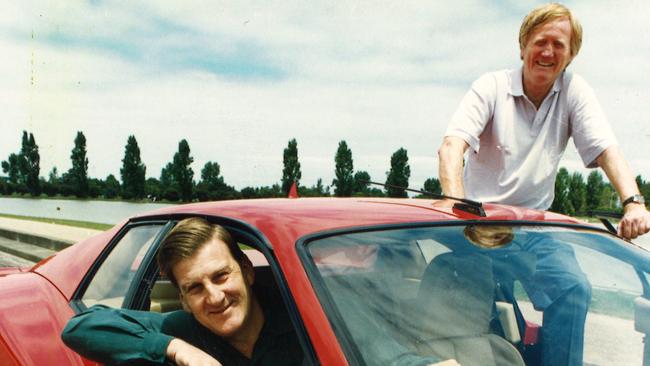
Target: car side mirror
<point x="642" y="324"/>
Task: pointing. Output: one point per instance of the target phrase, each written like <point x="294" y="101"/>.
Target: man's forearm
<point x="618" y="172"/>
<point x="636" y="220"/>
<point x="450" y="169"/>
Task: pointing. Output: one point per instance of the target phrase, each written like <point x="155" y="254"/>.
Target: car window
<point x="488" y="295"/>
<point x="111" y="282"/>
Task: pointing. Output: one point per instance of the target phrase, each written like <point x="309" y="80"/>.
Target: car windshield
<point x="484" y="295"/>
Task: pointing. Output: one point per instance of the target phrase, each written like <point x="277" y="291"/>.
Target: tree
<point x="594" y="189"/>
<point x="343" y="170"/>
<point x="29" y="164"/>
<point x="95" y="187"/>
<point x="182" y="173"/>
<point x="111" y="187"/>
<point x="644" y="188"/>
<point x="561" y="202"/>
<point x="432" y="185"/>
<point x="67" y="185"/>
<point x="360" y="184"/>
<point x="361" y="188"/>
<point x="608" y="197"/>
<point x="317" y="190"/>
<point x="577" y="193"/>
<point x="169" y="188"/>
<point x="262" y="192"/>
<point x="11" y="167"/>
<point x="4" y="186"/>
<point x="52" y="186"/>
<point x="23" y="169"/>
<point x="291" y="171"/>
<point x="212" y="185"/>
<point x="79" y="171"/>
<point x="133" y="171"/>
<point x="152" y="189"/>
<point x="399" y="173"/>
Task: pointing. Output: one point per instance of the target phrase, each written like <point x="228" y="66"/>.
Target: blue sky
<point x="239" y="79"/>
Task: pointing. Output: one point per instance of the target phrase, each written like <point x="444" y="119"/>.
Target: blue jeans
<point x="548" y="270"/>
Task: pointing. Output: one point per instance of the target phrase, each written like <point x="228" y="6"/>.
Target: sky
<point x="239" y="79"/>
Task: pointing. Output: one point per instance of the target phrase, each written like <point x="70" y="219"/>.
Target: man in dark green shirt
<point x="224" y="318"/>
<point x="145" y="336"/>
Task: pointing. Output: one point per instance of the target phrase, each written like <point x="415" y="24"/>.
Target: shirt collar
<point x="517" y="82"/>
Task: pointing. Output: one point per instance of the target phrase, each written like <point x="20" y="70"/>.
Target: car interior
<point x="442" y="303"/>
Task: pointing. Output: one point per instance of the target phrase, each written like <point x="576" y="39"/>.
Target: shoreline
<point x="72" y="223"/>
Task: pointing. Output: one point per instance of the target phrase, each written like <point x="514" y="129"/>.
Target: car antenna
<point x="463" y="204"/>
<point x="603" y="215"/>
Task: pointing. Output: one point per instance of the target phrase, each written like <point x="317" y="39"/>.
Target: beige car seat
<point x="456" y="306"/>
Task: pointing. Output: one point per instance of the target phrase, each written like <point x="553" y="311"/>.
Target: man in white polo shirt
<point x="516" y="124"/>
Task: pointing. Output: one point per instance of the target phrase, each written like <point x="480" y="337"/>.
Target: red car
<point x="460" y="283"/>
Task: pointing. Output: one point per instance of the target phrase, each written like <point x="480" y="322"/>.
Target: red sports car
<point x="490" y="285"/>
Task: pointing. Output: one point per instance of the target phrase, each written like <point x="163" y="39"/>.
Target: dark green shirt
<point x="116" y="336"/>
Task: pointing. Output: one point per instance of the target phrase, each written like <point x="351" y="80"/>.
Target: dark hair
<point x="186" y="238"/>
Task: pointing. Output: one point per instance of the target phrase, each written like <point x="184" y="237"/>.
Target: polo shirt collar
<point x="517" y="82"/>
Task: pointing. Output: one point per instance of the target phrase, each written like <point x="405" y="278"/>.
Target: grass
<point x="75" y="223"/>
<point x="43" y="196"/>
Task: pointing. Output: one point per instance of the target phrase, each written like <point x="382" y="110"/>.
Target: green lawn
<point x="75" y="223"/>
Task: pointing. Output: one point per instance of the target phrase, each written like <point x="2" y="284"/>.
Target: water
<point x="107" y="212"/>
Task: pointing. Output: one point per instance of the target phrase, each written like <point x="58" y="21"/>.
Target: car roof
<point x="283" y="221"/>
<point x="311" y="215"/>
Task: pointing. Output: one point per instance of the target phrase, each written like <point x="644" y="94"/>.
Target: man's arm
<point x="636" y="220"/>
<point x="116" y="336"/>
<point x="450" y="170"/>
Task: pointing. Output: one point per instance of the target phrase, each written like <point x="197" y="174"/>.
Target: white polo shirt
<point x="515" y="148"/>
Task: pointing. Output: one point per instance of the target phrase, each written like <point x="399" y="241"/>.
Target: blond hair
<point x="489" y="236"/>
<point x="544" y="14"/>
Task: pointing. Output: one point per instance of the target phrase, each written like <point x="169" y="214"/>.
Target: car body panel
<point x="32" y="316"/>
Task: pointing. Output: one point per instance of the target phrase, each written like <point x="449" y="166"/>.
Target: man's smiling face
<point x="546" y="54"/>
<point x="216" y="289"/>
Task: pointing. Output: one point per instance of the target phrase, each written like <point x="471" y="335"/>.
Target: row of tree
<point x="573" y="195"/>
<point x="176" y="181"/>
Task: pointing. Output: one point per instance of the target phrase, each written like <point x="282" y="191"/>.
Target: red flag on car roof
<point x="293" y="192"/>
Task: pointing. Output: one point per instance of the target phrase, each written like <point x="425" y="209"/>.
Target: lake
<point x="107" y="212"/>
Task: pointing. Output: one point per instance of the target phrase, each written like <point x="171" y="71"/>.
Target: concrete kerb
<point x="42" y="241"/>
